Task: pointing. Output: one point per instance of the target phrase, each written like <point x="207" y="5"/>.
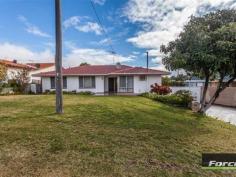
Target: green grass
<point x="106" y="136"/>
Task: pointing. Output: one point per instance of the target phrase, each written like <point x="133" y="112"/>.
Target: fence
<point x="226" y="98"/>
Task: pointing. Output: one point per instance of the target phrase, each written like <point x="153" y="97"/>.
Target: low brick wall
<point x="226" y="98"/>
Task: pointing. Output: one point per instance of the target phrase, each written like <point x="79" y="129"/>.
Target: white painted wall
<point x="12" y="72"/>
<point x="52" y="68"/>
<point x="196" y="91"/>
<point x="145" y="86"/>
<point x="46" y="84"/>
<point x="73" y="84"/>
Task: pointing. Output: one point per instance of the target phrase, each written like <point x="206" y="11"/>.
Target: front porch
<point x="119" y="85"/>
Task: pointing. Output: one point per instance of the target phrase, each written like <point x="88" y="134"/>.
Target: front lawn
<point x="106" y="136"/>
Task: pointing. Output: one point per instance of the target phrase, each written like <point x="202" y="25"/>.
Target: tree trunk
<point x="203" y="99"/>
<point x="221" y="87"/>
<point x="212" y="100"/>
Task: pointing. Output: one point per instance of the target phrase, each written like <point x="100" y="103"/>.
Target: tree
<point x="84" y="64"/>
<point x="3" y="72"/>
<point x="206" y="48"/>
<point x="21" y="78"/>
<point x="174" y="80"/>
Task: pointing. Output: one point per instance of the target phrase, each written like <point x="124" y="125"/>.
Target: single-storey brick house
<point x="103" y="79"/>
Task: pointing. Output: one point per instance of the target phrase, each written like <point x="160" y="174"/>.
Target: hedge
<point x="182" y="100"/>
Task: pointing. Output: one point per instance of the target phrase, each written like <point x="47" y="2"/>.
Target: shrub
<point x="185" y="95"/>
<point x="179" y="99"/>
<point x="49" y="91"/>
<point x="85" y="93"/>
<point x="173" y="100"/>
<point x="69" y="92"/>
<point x="52" y="92"/>
<point x="160" y="90"/>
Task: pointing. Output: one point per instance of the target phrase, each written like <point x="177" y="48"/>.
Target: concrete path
<point x="225" y="114"/>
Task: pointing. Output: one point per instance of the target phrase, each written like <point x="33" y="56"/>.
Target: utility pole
<point x="147" y="60"/>
<point x="58" y="58"/>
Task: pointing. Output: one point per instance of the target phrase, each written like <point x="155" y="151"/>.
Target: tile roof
<point x="14" y="64"/>
<point x="41" y="65"/>
<point x="104" y="70"/>
<point x="140" y="70"/>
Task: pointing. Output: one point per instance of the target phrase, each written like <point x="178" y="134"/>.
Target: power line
<point x="104" y="31"/>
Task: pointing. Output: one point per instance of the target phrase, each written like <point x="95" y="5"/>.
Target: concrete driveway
<point x="226" y="114"/>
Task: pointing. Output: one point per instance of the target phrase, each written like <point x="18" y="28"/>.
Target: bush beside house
<point x="181" y="98"/>
<point x="160" y="90"/>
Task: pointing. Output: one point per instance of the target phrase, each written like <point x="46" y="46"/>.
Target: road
<point x="226" y="114"/>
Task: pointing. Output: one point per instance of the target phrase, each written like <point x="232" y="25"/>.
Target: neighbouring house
<point x="103" y="79"/>
<point x="194" y="83"/>
<point x="13" y="68"/>
<point x="39" y="68"/>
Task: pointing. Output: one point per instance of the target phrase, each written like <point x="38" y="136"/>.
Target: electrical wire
<point x="104" y="31"/>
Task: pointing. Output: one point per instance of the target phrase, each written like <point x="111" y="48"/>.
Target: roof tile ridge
<point x="120" y="70"/>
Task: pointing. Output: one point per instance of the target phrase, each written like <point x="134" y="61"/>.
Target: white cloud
<point x="156" y="60"/>
<point x="78" y="23"/>
<point x="162" y="21"/>
<point x="99" y="2"/>
<point x="30" y="28"/>
<point x="106" y="41"/>
<point x="135" y="53"/>
<point x="155" y="53"/>
<point x="23" y="54"/>
<point x="93" y="56"/>
<point x="73" y="58"/>
<point x="90" y="27"/>
<point x="72" y="21"/>
<point x="103" y="42"/>
<point x="159" y="67"/>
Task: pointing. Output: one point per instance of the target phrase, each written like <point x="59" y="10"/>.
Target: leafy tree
<point x="21" y="78"/>
<point x="174" y="80"/>
<point x="166" y="81"/>
<point x="84" y="64"/>
<point x="3" y="72"/>
<point x="206" y="48"/>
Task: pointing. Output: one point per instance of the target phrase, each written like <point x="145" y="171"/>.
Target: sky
<point x="131" y="27"/>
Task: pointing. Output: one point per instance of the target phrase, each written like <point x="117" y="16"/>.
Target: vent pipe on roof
<point x="14" y="61"/>
<point x="147" y="61"/>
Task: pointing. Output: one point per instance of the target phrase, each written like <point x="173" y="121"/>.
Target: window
<point x="126" y="84"/>
<point x="122" y="81"/>
<point x="142" y="78"/>
<point x="87" y="82"/>
<point x="64" y="82"/>
<point x="52" y="80"/>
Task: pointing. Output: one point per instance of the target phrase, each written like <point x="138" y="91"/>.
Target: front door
<point x="112" y="84"/>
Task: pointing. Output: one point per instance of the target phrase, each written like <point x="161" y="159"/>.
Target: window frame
<point x="64" y="82"/>
<point x="142" y="77"/>
<point x="52" y="84"/>
<point x="82" y="85"/>
<point x="127" y="87"/>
